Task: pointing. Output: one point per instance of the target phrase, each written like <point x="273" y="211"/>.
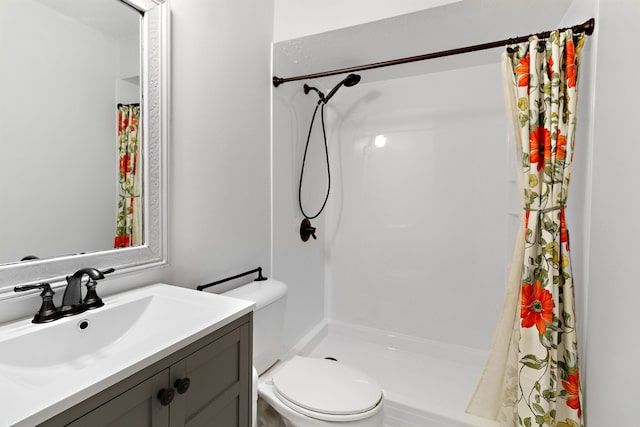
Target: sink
<point x="47" y="368"/>
<point x="75" y="339"/>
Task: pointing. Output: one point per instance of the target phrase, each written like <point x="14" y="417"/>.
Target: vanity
<point x="160" y="355"/>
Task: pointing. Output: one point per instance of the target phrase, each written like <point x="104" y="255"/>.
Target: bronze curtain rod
<point x="586" y="28"/>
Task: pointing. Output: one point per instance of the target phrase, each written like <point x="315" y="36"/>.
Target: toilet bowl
<point x="304" y="391"/>
<point x="315" y="392"/>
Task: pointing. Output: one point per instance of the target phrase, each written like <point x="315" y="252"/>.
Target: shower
<point x="350" y="80"/>
<point x="306" y="229"/>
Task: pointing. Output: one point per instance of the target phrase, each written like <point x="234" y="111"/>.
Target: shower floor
<point x="426" y="384"/>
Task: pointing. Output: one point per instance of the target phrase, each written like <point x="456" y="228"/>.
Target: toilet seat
<point x="326" y="390"/>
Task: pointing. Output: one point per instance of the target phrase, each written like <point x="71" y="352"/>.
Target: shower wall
<point x="299" y="264"/>
<point x="418" y="231"/>
<point x="423" y="213"/>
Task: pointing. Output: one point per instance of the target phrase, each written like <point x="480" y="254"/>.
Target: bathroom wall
<point x="219" y="191"/>
<point x="299" y="264"/>
<point x="613" y="345"/>
<point x="219" y="173"/>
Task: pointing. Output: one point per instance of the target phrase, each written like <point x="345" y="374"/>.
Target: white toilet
<point x="304" y="391"/>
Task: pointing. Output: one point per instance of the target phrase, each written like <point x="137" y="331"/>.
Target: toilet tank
<point x="268" y="319"/>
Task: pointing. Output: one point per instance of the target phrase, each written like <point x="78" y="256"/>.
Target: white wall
<point x="52" y="204"/>
<point x="417" y="230"/>
<point x="130" y="56"/>
<point x="298" y="18"/>
<point x="613" y="345"/>
<point x="219" y="149"/>
<point x="299" y="264"/>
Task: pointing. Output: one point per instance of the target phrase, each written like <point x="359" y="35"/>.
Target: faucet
<point x="72" y="302"/>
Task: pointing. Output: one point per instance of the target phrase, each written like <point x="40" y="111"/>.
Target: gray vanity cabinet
<point x="218" y="369"/>
<point x="216" y="386"/>
<point x="136" y="407"/>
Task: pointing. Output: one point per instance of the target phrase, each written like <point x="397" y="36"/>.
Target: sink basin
<point x="76" y="339"/>
<point x="47" y="368"/>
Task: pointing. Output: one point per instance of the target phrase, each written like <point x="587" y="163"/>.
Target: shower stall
<point x="407" y="276"/>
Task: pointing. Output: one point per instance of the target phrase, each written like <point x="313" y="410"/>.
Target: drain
<point x="83" y="324"/>
<point x="331" y="358"/>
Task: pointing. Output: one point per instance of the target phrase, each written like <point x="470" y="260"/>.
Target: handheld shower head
<point x="350" y="80"/>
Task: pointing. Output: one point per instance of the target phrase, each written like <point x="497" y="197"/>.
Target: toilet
<point x="304" y="391"/>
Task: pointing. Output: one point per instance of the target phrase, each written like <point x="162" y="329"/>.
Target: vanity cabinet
<point x="207" y="383"/>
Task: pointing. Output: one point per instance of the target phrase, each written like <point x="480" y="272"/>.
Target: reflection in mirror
<point x="83" y="133"/>
<point x="64" y="157"/>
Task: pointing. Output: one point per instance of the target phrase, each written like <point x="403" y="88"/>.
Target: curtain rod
<point x="587" y="28"/>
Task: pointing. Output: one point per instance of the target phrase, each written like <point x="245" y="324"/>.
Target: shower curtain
<point x="129" y="213"/>
<point x="532" y="375"/>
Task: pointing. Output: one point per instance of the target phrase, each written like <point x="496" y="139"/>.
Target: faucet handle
<point x="92" y="300"/>
<point x="48" y="311"/>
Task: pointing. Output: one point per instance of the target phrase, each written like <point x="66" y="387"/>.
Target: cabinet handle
<point x="182" y="385"/>
<point x="166" y="395"/>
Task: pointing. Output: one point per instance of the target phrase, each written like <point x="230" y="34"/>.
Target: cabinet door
<point x="137" y="407"/>
<point x="220" y="384"/>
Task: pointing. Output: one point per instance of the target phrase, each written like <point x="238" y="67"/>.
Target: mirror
<point x="67" y="65"/>
<point x="72" y="62"/>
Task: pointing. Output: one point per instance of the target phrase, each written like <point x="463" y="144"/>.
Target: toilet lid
<point x="326" y="387"/>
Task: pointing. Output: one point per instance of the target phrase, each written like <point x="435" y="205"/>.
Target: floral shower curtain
<point x="532" y="375"/>
<point x="129" y="214"/>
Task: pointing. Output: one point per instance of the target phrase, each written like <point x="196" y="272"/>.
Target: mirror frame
<point x="154" y="37"/>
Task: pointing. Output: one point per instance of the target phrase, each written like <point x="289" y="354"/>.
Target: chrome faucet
<point x="72" y="302"/>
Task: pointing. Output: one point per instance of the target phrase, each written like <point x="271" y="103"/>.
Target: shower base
<point x="425" y="383"/>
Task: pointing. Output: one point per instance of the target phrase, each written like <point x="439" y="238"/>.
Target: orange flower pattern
<point x="522" y="71"/>
<point x="536" y="306"/>
<point x="561" y="146"/>
<point x="539" y="141"/>
<point x="564" y="233"/>
<point x="570" y="60"/>
<point x="572" y="388"/>
<point x="545" y="74"/>
<point x="128" y="128"/>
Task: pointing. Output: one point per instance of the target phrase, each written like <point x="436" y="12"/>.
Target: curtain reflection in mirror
<point x="129" y="214"/>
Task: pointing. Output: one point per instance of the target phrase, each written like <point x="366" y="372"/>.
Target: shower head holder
<point x="306" y="230"/>
<point x="350" y="80"/>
